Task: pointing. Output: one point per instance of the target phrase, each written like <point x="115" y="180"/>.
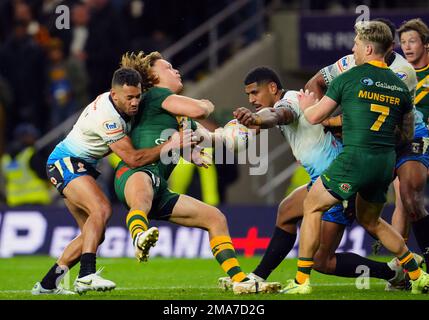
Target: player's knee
<point x="218" y="218"/>
<point x="284" y="215"/>
<point x="284" y="207"/>
<point x="309" y="207"/>
<point x="222" y="221"/>
<point x="103" y="212"/>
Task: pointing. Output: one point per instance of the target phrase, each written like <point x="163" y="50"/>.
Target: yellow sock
<point x="136" y="222"/>
<point x="224" y="252"/>
<point x="301" y="277"/>
<point x="408" y="262"/>
<point x="304" y="269"/>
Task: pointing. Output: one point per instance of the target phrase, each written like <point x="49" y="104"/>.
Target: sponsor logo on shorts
<point x="326" y="177"/>
<point x="121" y="171"/>
<point x="416" y="148"/>
<point x="81" y="167"/>
<point x="159" y="141"/>
<point x="54" y="181"/>
<point x="345" y="187"/>
<point x="367" y="81"/>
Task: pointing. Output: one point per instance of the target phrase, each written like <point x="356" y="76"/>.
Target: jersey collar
<point x="422" y="69"/>
<point x="123" y="116"/>
<point x="378" y="64"/>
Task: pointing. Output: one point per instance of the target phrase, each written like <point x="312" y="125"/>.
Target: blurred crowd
<point x="47" y="73"/>
<point x="49" y="70"/>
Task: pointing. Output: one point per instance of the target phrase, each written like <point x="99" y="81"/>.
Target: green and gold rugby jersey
<point x="422" y="97"/>
<point x="373" y="100"/>
<point x="153" y="125"/>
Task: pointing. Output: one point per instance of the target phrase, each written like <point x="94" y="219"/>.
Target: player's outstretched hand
<point x="182" y="140"/>
<point x="245" y="116"/>
<point x="201" y="158"/>
<point x="306" y="99"/>
<point x="202" y="137"/>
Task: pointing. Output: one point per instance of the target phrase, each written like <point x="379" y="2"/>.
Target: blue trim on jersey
<point x="62" y="151"/>
<point x="327" y="155"/>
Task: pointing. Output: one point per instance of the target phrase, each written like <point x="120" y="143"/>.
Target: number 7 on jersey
<point x="381" y="118"/>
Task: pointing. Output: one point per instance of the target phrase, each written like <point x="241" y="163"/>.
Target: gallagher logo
<point x="345" y="187"/>
<point x="367" y="81"/>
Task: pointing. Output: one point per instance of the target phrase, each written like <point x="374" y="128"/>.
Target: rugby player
<point x="144" y="190"/>
<point x="414" y="40"/>
<point x="374" y="103"/>
<point x="412" y="159"/>
<point x="315" y="150"/>
<point x="101" y="128"/>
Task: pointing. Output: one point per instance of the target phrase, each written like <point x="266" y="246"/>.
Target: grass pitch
<point x="181" y="279"/>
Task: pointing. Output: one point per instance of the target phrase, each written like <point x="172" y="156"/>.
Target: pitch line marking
<point x="334" y="284"/>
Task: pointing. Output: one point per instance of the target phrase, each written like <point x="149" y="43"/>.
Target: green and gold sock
<point x="224" y="252"/>
<point x="304" y="269"/>
<point x="136" y="222"/>
<point x="408" y="262"/>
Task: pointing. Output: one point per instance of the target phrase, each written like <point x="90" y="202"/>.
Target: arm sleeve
<point x="410" y="80"/>
<point x="290" y="105"/>
<point x="334" y="70"/>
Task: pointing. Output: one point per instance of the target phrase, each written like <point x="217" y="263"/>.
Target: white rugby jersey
<point x="310" y="145"/>
<point x="400" y="66"/>
<point x="98" y="126"/>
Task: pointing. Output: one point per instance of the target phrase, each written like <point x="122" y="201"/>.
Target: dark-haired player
<point x="101" y="128"/>
<point x="315" y="150"/>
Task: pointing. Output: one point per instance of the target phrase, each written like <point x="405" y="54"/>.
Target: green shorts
<point x="164" y="200"/>
<point x="364" y="170"/>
